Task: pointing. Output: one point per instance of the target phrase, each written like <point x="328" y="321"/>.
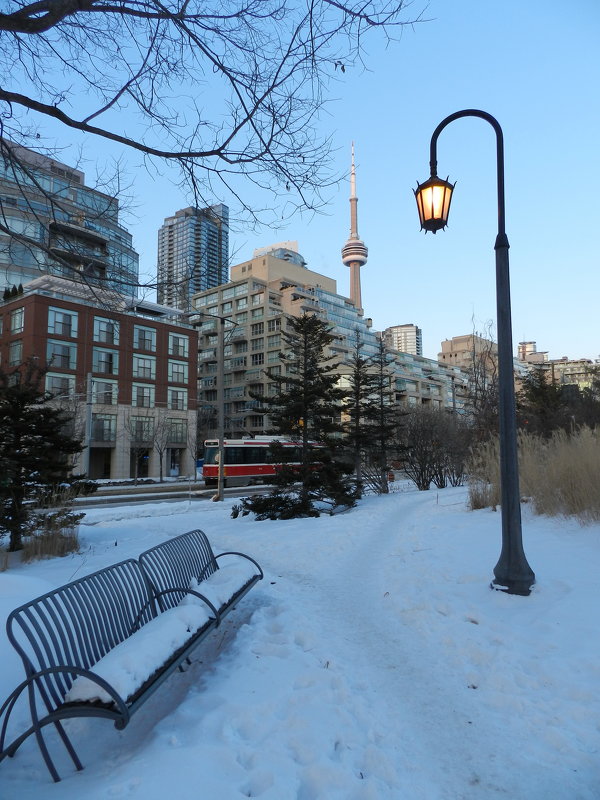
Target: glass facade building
<point x="56" y="225"/>
<point x="193" y="253"/>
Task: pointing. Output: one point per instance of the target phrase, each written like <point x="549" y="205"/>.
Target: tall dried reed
<point x="560" y="475"/>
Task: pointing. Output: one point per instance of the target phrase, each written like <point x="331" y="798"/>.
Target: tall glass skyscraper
<point x="193" y="254"/>
<point x="52" y="223"/>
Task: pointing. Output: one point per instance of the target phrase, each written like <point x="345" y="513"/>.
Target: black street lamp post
<point x="512" y="573"/>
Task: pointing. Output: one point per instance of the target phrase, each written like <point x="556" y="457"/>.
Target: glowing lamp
<point x="433" y="202"/>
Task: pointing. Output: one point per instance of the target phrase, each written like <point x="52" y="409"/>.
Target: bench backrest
<point x="176" y="562"/>
<point x="77" y="624"/>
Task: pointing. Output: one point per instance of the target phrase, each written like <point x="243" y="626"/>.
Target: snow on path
<point x="373" y="663"/>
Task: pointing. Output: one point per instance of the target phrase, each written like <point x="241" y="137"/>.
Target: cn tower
<point x="354" y="252"/>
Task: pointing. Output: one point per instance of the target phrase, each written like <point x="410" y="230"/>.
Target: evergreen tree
<point x="384" y="417"/>
<point x="306" y="408"/>
<point x="543" y="407"/>
<point x="357" y="408"/>
<point x="371" y="414"/>
<point x="34" y="451"/>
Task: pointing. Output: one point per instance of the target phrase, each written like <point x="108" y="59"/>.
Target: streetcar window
<point x="210" y="455"/>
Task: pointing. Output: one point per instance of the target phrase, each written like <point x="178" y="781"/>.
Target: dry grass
<point x="484" y="476"/>
<point x="50" y="544"/>
<point x="561" y="476"/>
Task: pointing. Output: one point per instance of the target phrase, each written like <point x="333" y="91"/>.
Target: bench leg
<point x="37" y="729"/>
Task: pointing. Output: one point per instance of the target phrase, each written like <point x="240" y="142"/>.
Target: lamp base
<point x="516" y="587"/>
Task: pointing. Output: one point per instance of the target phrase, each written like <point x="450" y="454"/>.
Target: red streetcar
<point x="247" y="461"/>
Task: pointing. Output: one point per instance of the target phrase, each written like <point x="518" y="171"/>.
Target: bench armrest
<point x="243" y="555"/>
<point x="34" y="677"/>
<point x="187" y="590"/>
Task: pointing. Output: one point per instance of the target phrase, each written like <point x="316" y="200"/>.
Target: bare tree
<point x="139" y="429"/>
<point x="220" y="89"/>
<point x="161" y="439"/>
<point x="482" y="399"/>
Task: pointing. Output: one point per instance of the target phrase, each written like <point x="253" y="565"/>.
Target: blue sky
<point x="531" y="64"/>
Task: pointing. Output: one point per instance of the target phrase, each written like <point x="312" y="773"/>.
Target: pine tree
<point x="360" y="409"/>
<point x="34" y="451"/>
<point x="542" y="406"/>
<point x="381" y="417"/>
<point x="306" y="408"/>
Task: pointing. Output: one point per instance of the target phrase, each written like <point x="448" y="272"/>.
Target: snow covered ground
<point x="372" y="663"/>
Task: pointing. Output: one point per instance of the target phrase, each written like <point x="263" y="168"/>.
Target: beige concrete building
<point x="404" y="338"/>
<point x="462" y="351"/>
<point x="263" y="292"/>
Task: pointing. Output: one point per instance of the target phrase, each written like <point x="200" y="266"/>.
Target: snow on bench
<point x="132" y="662"/>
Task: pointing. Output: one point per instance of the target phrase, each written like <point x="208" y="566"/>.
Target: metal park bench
<point x="78" y="642"/>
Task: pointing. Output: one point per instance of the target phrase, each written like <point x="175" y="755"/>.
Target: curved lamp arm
<point x="502" y="241"/>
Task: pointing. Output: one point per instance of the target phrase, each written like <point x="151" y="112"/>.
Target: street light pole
<point x="220" y="398"/>
<point x="220" y="408"/>
<point x="86" y="457"/>
<point x="512" y="573"/>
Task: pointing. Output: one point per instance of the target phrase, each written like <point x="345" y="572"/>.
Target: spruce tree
<point x="380" y="416"/>
<point x="360" y="409"/>
<point x="305" y="408"/>
<point x="35" y="450"/>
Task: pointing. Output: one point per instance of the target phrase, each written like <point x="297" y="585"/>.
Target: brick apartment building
<point x="126" y="367"/>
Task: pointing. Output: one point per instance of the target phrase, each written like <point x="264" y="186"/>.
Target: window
<point x="177" y="372"/>
<point x="106" y="330"/>
<point x="61" y="322"/>
<point x="257" y="313"/>
<point x="17" y="320"/>
<point x="142" y="396"/>
<point x="61" y="354"/>
<point x="241" y="318"/>
<point x="177" y="431"/>
<point x="256" y="421"/>
<point x="177" y="399"/>
<point x="144" y="367"/>
<point x="15" y="353"/>
<point x="258" y="328"/>
<point x="241" y="303"/>
<point x="273" y="325"/>
<point x="226" y="307"/>
<point x="274" y="341"/>
<point x="257" y="359"/>
<point x="178" y="345"/>
<point x="104" y="427"/>
<point x="144" y="338"/>
<point x="258" y="344"/>
<point x="57" y="384"/>
<point x="258" y="299"/>
<point x="141" y="429"/>
<point x="104" y="392"/>
<point x="105" y="361"/>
